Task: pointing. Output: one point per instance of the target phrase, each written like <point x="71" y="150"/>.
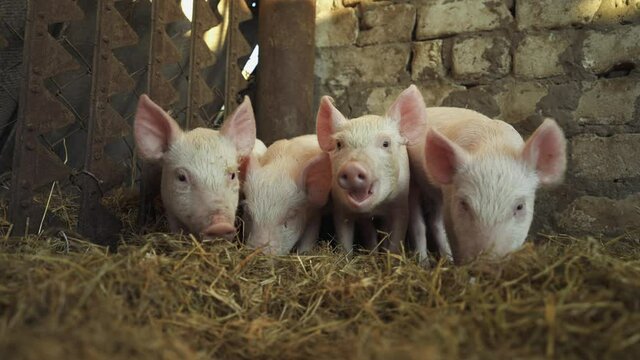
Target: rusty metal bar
<point x="287" y="55"/>
<point x="34" y="165"/>
<point x="199" y="93"/>
<point x="237" y="46"/>
<point x="105" y="124"/>
<point x="161" y="52"/>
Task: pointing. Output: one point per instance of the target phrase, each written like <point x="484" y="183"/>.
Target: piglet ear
<point x="154" y="130"/>
<point x="410" y="112"/>
<point x="545" y="151"/>
<point x="328" y="119"/>
<point x="316" y="179"/>
<point x="443" y="158"/>
<point x="248" y="164"/>
<point x="240" y="128"/>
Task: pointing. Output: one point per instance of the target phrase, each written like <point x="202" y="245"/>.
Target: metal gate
<point x="163" y="50"/>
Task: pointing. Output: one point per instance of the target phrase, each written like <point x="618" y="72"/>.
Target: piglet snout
<point x="220" y="227"/>
<point x="353" y="177"/>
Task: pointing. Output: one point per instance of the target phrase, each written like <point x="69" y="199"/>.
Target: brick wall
<point x="516" y="60"/>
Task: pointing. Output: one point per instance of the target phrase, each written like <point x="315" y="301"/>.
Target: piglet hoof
<point x="424" y="263"/>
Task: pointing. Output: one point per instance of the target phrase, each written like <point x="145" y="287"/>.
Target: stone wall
<point x="516" y="60"/>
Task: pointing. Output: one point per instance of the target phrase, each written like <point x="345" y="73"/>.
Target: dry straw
<point x="172" y="297"/>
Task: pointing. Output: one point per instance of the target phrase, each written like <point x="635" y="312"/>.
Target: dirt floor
<point x="172" y="297"/>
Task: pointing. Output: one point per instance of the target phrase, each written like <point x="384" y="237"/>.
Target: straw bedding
<point x="161" y="296"/>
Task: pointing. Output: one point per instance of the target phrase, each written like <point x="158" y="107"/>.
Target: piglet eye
<point x="339" y="144"/>
<point x="385" y="144"/>
<point x="181" y="176"/>
<point x="464" y="205"/>
<point x="232" y="175"/>
<point x="519" y="209"/>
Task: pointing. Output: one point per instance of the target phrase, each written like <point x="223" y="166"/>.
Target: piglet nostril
<point x="353" y="176"/>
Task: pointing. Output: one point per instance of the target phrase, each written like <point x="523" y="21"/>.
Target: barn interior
<point x="89" y="269"/>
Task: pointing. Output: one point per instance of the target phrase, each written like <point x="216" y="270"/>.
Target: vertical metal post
<point x="286" y="37"/>
<point x="105" y="125"/>
<point x="237" y="46"/>
<point x="199" y="93"/>
<point x="34" y="165"/>
<point x="161" y="52"/>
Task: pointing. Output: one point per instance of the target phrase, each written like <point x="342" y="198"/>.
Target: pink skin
<point x="200" y="168"/>
<point x="370" y="167"/>
<point x="285" y="195"/>
<point x="474" y="181"/>
<point x="220" y="227"/>
<point x="356" y="181"/>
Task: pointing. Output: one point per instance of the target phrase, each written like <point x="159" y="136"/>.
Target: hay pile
<point x="172" y="297"/>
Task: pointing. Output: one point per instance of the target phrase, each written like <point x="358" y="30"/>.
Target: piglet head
<point x="278" y="206"/>
<point x="489" y="198"/>
<point x="200" y="185"/>
<point x="367" y="153"/>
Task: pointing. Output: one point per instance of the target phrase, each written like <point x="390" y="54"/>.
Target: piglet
<point x="370" y="167"/>
<point x="285" y="193"/>
<point x="475" y="179"/>
<point x="199" y="186"/>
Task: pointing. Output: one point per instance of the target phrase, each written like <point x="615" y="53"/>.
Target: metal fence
<point x="84" y="65"/>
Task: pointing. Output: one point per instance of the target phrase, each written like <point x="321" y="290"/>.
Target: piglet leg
<point x="344" y="229"/>
<point x="396" y="224"/>
<point x="435" y="224"/>
<point x="417" y="226"/>
<point x="310" y="235"/>
<point x="368" y="233"/>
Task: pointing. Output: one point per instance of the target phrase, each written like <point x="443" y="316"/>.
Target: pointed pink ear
<point x="154" y="130"/>
<point x="326" y="122"/>
<point x="443" y="158"/>
<point x="545" y="151"/>
<point x="316" y="179"/>
<point x="248" y="164"/>
<point x="240" y="128"/>
<point x="411" y="112"/>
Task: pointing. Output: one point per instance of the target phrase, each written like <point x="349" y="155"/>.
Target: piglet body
<point x="370" y="167"/>
<point x="475" y="179"/>
<point x="199" y="186"/>
<point x="285" y="192"/>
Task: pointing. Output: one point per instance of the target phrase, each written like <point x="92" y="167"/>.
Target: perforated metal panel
<point x="84" y="65"/>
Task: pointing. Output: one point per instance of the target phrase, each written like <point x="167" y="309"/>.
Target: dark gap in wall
<point x="619" y="70"/>
<point x="512" y="9"/>
<point x="348" y="102"/>
<point x="606" y="134"/>
<point x="408" y="67"/>
<point x="414" y="37"/>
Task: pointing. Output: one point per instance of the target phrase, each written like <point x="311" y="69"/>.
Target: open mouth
<point x="359" y="197"/>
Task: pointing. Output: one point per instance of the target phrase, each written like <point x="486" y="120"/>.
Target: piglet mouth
<point x="359" y="197"/>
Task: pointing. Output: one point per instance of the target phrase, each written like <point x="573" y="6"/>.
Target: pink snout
<point x="356" y="181"/>
<point x="220" y="227"/>
<point x="353" y="177"/>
